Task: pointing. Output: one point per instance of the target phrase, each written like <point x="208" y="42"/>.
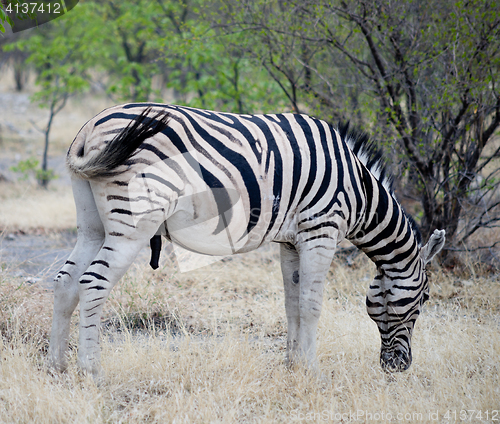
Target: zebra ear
<point x="435" y="244"/>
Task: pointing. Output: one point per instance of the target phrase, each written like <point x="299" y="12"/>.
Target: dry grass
<point x="25" y="207"/>
<point x="208" y="346"/>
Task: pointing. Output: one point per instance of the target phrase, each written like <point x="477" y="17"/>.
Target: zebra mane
<point x="368" y="153"/>
<point x="372" y="157"/>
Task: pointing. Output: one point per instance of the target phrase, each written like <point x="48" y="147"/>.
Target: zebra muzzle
<point x="395" y="360"/>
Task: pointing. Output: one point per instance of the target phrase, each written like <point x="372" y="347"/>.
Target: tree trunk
<point x="44" y="179"/>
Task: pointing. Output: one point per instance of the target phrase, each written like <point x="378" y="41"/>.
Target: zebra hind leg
<point x="110" y="264"/>
<point x="290" y="270"/>
<point x="66" y="292"/>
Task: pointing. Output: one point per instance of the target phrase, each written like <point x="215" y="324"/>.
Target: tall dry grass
<point x="208" y="346"/>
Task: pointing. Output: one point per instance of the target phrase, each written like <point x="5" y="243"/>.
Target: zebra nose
<point x="395" y="360"/>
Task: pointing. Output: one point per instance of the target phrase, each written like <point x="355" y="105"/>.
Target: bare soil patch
<point x="35" y="257"/>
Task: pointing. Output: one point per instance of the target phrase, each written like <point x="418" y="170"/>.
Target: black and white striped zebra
<point x="221" y="183"/>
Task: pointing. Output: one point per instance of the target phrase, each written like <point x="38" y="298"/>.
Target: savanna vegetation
<point x="208" y="345"/>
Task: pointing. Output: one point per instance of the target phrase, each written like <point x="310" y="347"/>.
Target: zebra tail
<point x="118" y="150"/>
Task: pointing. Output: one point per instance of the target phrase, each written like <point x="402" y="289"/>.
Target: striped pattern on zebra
<point x="221" y="183"/>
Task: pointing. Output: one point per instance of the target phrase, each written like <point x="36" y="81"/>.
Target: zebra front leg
<point x="66" y="291"/>
<point x="112" y="261"/>
<point x="290" y="270"/>
<point x="315" y="260"/>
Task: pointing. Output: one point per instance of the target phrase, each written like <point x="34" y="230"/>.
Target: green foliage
<point x="207" y="71"/>
<point x="29" y="167"/>
<point x="44" y="176"/>
<point x="125" y="48"/>
<point x="127" y="44"/>
<point x="59" y="52"/>
<point x="4" y="18"/>
<point x="26" y="167"/>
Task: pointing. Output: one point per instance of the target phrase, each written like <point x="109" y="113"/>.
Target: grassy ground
<point x="209" y="345"/>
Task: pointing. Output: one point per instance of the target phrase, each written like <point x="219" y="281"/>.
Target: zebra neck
<point x="387" y="235"/>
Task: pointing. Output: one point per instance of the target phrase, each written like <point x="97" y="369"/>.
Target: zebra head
<point x="395" y="300"/>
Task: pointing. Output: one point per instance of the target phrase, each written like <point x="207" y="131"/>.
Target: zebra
<point x="221" y="183"/>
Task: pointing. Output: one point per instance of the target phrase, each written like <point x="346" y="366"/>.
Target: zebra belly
<point x="210" y="237"/>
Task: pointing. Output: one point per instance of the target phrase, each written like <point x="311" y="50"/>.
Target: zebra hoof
<point x="395" y="360"/>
